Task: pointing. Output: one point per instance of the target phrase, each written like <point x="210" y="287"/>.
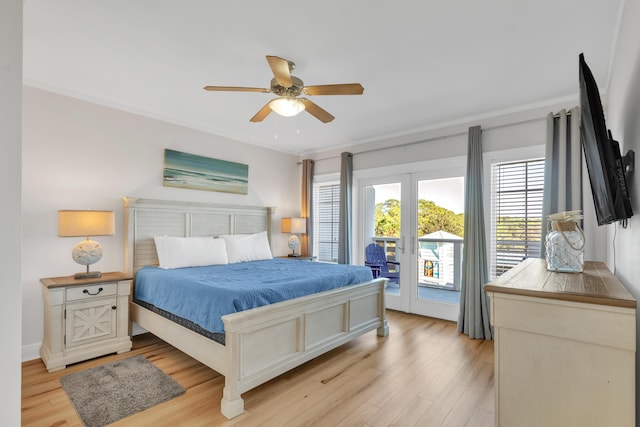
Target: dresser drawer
<point x="91" y="291"/>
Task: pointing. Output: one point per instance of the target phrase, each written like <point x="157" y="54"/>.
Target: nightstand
<point x="299" y="258"/>
<point x="84" y="318"/>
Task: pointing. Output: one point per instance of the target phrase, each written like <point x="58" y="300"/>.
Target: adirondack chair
<point x="376" y="259"/>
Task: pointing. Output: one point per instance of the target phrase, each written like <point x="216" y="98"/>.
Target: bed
<point x="259" y="343"/>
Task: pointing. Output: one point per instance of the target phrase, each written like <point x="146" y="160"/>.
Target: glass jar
<point x="564" y="247"/>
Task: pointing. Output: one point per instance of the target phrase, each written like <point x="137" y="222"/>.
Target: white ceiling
<point x="422" y="62"/>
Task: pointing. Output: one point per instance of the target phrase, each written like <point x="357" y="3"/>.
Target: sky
<point x="447" y="193"/>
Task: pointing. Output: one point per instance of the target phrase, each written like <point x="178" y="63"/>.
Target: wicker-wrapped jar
<point x="564" y="247"/>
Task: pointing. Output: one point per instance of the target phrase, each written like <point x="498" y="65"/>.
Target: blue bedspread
<point x="204" y="294"/>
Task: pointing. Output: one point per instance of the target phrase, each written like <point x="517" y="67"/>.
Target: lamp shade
<point x="286" y="106"/>
<point x="294" y="225"/>
<point x="85" y="223"/>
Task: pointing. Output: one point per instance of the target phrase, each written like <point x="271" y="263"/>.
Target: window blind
<point x="326" y="203"/>
<point x="516" y="213"/>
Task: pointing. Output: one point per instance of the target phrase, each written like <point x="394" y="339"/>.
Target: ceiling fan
<point x="289" y="88"/>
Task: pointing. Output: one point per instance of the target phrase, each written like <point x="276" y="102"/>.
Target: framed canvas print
<point x="195" y="172"/>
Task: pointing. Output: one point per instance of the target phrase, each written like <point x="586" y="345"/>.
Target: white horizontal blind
<point x="326" y="205"/>
<point x="516" y="213"/>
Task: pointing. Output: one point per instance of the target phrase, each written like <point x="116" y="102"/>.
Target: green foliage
<point x="387" y="216"/>
<point x="431" y="218"/>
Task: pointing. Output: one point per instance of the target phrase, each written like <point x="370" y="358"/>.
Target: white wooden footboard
<point x="267" y="341"/>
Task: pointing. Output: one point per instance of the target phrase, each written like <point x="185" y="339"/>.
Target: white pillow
<point x="178" y="252"/>
<point x="247" y="247"/>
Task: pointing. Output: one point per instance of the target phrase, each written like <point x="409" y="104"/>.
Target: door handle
<point x="413" y="245"/>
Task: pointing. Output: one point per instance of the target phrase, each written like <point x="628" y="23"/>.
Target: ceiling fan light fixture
<point x="286" y="106"/>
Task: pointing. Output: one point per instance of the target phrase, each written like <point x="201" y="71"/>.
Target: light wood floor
<point x="423" y="374"/>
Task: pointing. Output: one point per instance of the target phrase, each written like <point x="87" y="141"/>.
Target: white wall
<point x="623" y="117"/>
<point x="10" y="116"/>
<point x="79" y="155"/>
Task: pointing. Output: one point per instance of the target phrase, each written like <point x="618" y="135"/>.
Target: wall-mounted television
<point x="608" y="170"/>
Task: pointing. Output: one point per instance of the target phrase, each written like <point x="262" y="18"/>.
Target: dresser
<point x="565" y="347"/>
<point x="84" y="318"/>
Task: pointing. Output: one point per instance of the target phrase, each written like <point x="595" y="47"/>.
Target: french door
<point x="396" y="211"/>
<point x="385" y="223"/>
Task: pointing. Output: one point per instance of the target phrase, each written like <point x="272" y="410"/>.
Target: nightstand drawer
<point x="300" y="257"/>
<point x="91" y="291"/>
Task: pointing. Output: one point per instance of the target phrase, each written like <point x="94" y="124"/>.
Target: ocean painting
<point x="185" y="170"/>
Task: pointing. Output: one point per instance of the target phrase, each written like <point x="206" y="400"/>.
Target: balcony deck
<point x="430" y="293"/>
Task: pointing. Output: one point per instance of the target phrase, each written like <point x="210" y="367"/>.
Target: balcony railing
<point x="439" y="260"/>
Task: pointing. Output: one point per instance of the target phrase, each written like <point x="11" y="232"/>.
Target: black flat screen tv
<point x="602" y="154"/>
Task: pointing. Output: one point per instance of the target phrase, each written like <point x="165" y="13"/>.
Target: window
<point x="326" y="205"/>
<point x="516" y="218"/>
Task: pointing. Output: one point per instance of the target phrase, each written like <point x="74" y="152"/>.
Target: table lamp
<point x="86" y="223"/>
<point x="294" y="226"/>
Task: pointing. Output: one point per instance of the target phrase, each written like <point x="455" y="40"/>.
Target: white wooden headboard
<point x="145" y="218"/>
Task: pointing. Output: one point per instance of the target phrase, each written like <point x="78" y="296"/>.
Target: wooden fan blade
<point x="317" y="112"/>
<point x="280" y="68"/>
<point x="262" y="114"/>
<point x="237" y="89"/>
<point x="339" y="89"/>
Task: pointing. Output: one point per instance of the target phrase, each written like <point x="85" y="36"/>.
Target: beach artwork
<point x="185" y="170"/>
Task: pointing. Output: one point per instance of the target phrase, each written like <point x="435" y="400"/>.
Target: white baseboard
<point x="30" y="352"/>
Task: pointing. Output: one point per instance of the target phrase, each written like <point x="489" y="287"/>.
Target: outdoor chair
<point x="376" y="259"/>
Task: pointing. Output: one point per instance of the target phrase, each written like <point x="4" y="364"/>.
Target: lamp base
<point x="87" y="275"/>
<point x="294" y="255"/>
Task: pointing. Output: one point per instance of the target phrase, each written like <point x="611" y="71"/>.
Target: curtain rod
<point x="435" y="138"/>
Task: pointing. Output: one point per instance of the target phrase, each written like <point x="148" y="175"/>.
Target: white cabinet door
<point x="90" y="320"/>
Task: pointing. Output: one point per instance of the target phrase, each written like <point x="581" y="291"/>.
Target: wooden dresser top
<point x="596" y="285"/>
